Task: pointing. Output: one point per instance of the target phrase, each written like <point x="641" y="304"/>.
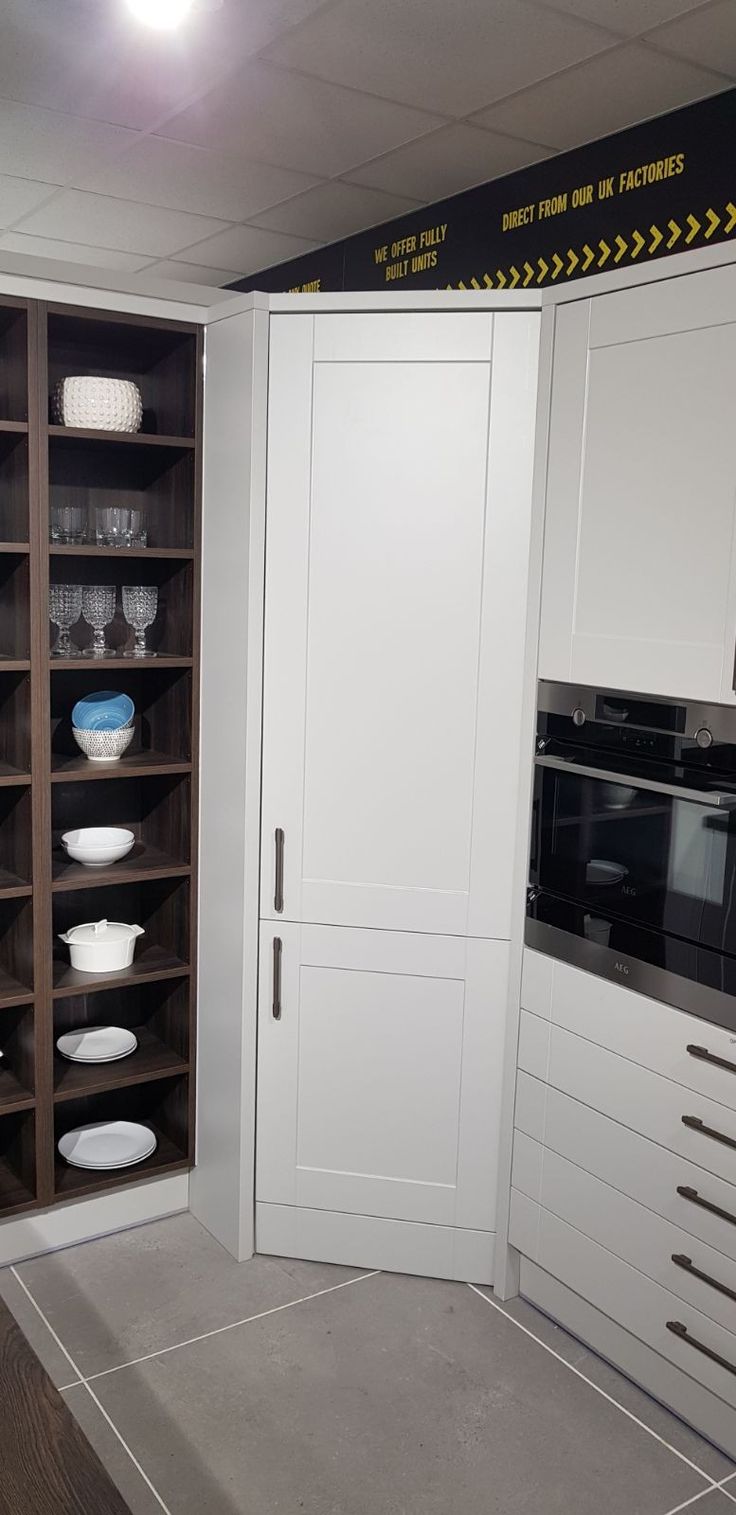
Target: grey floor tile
<point x="138" y="1291"/>
<point x="712" y="1461"/>
<point x="36" y="1333"/>
<point x="401" y="1396"/>
<point x="112" y="1453"/>
<point x="715" y="1503"/>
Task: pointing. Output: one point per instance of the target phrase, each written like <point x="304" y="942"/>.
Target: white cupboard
<point x="639" y="588"/>
<point x="400" y="454"/>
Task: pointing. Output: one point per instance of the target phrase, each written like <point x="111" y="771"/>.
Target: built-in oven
<point x="633" y="849"/>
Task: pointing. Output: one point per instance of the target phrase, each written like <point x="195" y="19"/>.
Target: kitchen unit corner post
<point x="41" y="761"/>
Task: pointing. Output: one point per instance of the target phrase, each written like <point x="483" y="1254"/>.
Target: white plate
<point x="97" y="1044"/>
<point x="600" y="871"/>
<point x="107" y="1144"/>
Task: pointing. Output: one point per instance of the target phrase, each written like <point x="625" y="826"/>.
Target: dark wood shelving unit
<point x="47" y="785"/>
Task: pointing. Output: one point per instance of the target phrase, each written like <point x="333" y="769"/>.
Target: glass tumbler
<point x="113" y="526"/>
<point x="140" y="603"/>
<point x="65" y="608"/>
<point x="98" y="609"/>
<point x="68" y="524"/>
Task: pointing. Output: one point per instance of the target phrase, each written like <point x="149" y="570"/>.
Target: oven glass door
<point x="634" y="855"/>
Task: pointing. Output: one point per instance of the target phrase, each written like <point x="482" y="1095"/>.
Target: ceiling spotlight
<point x="161" y="15"/>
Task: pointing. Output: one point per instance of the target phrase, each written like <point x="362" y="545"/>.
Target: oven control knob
<point x="704" y="737"/>
<point x="578" y="716"/>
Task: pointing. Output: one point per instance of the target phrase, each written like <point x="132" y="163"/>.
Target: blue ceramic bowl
<point x="107" y="710"/>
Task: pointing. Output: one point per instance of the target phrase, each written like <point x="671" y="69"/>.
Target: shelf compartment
<point x="16" y="952"/>
<point x="156" y="809"/>
<point x="156" y="475"/>
<point x="163" y="701"/>
<point x="13" y="365"/>
<point x="17" y="1161"/>
<point x="16" y="861"/>
<point x="15" y="726"/>
<point x="159" y="356"/>
<point x="14" y="518"/>
<point x="15" y="614"/>
<point x="160" y="906"/>
<point x="163" y="1105"/>
<point x="17" y="1065"/>
<point x="158" y="1013"/>
<point x="170" y="636"/>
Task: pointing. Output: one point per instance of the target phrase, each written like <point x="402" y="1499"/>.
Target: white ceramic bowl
<point x="98" y="404"/>
<point x="98" y="846"/>
<point x="104" y="746"/>
<point x="102" y="946"/>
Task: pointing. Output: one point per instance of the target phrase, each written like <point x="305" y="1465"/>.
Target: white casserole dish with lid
<point x="101" y="946"/>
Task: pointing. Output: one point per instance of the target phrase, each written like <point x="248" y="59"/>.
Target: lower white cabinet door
<point x="379" y="1074"/>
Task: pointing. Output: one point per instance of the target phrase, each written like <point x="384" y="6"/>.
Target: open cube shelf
<point x="14" y="515"/>
<point x="17" y="1161"/>
<point x="156" y="476"/>
<point x="13" y="360"/>
<point x="157" y="1013"/>
<point x="163" y="1106"/>
<point x="171" y="632"/>
<point x="156" y="809"/>
<point x="160" y="357"/>
<point x="163" y="718"/>
<point x="160" y="906"/>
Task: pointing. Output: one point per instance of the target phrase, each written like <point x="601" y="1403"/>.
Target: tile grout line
<point x="692" y="1501"/>
<point x="92" y="1395"/>
<point x="712" y="1482"/>
<point x="220" y="1330"/>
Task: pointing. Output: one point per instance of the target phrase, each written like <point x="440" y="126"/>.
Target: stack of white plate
<point x="107" y="1144"/>
<point x="98" y="1044"/>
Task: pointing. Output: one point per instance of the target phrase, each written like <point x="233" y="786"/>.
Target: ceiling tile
<point x="73" y="252"/>
<point x="447" y="160"/>
<point x="190" y="273"/>
<point x="245" y="249"/>
<point x="627" y="85"/>
<point x="91" y="58"/>
<point x="334" y="210"/>
<point x="707" y="37"/>
<point x="104" y="222"/>
<point x="301" y="123"/>
<point x="629" y="17"/>
<point x="41" y="144"/>
<point x="183" y="177"/>
<point x="19" y="196"/>
<point x="459" y="58"/>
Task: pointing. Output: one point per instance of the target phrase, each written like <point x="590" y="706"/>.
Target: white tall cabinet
<point x="398" y="518"/>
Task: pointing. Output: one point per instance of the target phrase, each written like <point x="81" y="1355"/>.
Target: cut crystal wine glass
<point x="65" y="608"/>
<point x="98" y="609"/>
<point x="140" y="603"/>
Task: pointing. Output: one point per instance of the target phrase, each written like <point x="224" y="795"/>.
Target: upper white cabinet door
<point x="379" y="1076"/>
<point x="397" y="541"/>
<point x="638" y="590"/>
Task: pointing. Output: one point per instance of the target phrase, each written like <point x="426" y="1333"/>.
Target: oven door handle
<point x="713" y="798"/>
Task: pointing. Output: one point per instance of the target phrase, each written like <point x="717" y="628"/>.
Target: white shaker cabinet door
<point x="398" y="510"/>
<point x="638" y="587"/>
<point x="379" y="1073"/>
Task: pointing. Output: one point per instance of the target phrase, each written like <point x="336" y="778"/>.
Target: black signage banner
<point x="647" y="192"/>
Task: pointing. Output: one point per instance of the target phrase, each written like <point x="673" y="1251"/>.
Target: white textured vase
<point x="98" y="404"/>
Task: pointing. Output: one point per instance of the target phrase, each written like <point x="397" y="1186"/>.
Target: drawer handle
<point x="696" y="1124"/>
<point x="710" y="1057"/>
<point x="705" y="1204"/>
<point x="276" y="1005"/>
<point x="278" y="892"/>
<point x="678" y="1329"/>
<point x="688" y="1266"/>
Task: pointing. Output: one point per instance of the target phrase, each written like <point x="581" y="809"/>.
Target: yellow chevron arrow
<point x="713" y="222"/>
<point x="513" y="281"/>
<point x="573" y="263"/>
<point x="676" y="232"/>
<point x="460" y="284"/>
<point x="731" y="222"/>
<point x="622" y="246"/>
<point x="543" y="270"/>
<point x="605" y="252"/>
<point x="656" y="239"/>
<point x="694" y="228"/>
<point x="475" y="284"/>
<point x="589" y="256"/>
<point x="529" y="271"/>
<point x="557" y="265"/>
<point x="487" y="280"/>
<point x="501" y="278"/>
<point x="637" y="242"/>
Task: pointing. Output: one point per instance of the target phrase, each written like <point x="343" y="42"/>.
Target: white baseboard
<point x="84" y="1219"/>
<point x="365" y="1241"/>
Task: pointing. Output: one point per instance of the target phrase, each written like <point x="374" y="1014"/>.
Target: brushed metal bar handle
<point x="685" y="1192"/>
<point x="276" y="1006"/>
<point x="710" y="1057"/>
<point x="716" y="799"/>
<point x="278" y="891"/>
<point x="688" y="1266"/>
<point x="679" y="1329"/>
<point x="696" y="1124"/>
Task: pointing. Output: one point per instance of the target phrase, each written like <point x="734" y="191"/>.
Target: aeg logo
<point x="621" y="968"/>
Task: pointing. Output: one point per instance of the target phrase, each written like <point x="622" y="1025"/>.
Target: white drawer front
<point x="633" y="1095"/>
<point x="637" y="1303"/>
<point x="699" y="1204"/>
<point x="688" y="1268"/>
<point x="647" y="1032"/>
